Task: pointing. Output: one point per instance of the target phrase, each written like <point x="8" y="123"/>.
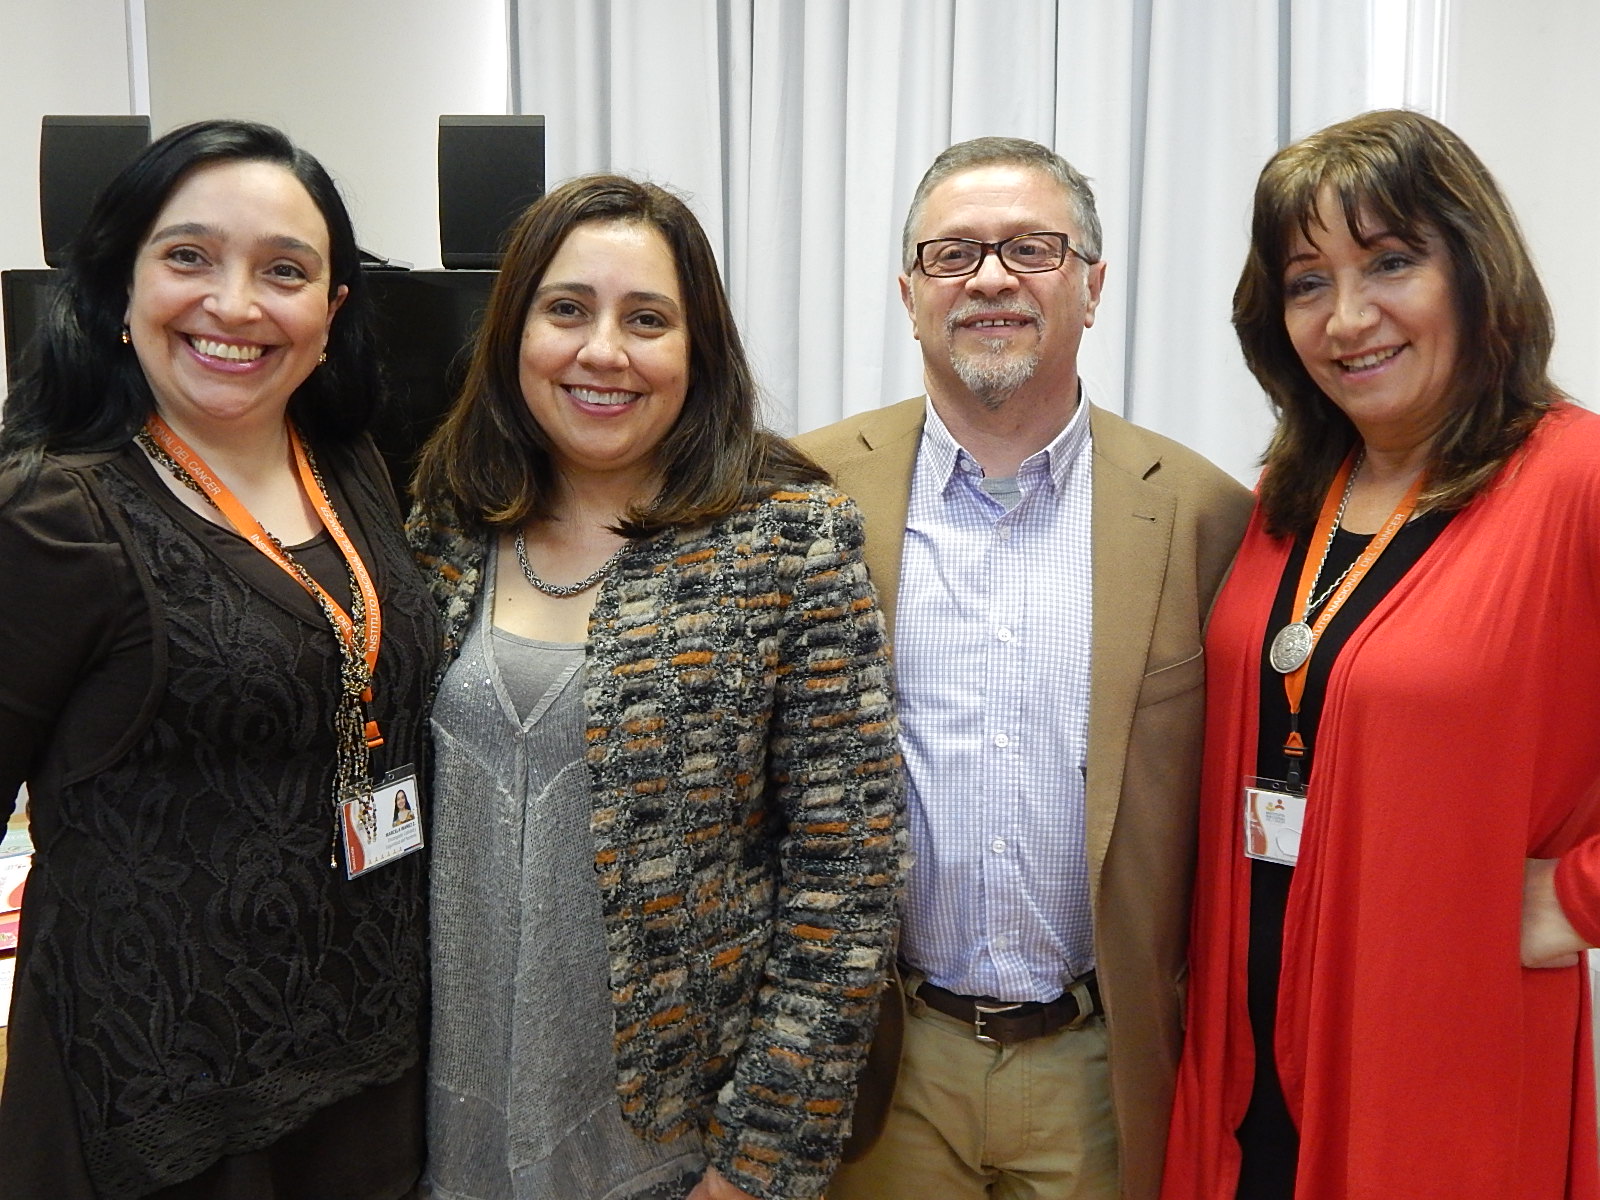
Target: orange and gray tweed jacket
<point x="748" y="821"/>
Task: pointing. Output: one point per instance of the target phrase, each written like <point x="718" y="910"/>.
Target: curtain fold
<point x="799" y="128"/>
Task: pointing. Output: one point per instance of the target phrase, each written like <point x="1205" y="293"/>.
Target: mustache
<point x="1017" y="306"/>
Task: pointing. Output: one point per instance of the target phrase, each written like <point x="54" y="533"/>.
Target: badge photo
<point x="382" y="825"/>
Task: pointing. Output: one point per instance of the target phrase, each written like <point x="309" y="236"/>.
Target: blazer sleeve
<point x="835" y="772"/>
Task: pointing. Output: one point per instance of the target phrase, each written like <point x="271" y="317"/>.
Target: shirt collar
<point x="943" y="455"/>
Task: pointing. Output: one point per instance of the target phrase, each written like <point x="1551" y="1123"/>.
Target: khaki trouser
<point x="1031" y="1121"/>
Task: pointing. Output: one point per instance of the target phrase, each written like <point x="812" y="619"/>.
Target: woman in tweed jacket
<point x="733" y="741"/>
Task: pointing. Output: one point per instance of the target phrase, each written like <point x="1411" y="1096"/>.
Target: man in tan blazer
<point x="1046" y="568"/>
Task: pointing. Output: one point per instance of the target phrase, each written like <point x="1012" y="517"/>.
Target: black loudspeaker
<point x="25" y="295"/>
<point x="490" y="169"/>
<point x="426" y="320"/>
<point x="78" y="156"/>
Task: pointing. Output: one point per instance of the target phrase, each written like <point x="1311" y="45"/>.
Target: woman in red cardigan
<point x="1400" y="843"/>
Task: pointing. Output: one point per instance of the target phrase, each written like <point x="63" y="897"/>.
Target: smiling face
<point x="228" y="306"/>
<point x="993" y="334"/>
<point x="1375" y="325"/>
<point x="605" y="353"/>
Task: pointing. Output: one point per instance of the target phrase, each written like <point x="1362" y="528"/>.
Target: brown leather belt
<point x="1006" y="1024"/>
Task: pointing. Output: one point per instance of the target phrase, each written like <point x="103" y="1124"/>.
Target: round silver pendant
<point x="1290" y="648"/>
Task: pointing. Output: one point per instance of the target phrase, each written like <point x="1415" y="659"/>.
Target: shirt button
<point x="1002" y="740"/>
<point x="998" y="845"/>
<point x="1004" y="634"/>
<point x="1004" y="533"/>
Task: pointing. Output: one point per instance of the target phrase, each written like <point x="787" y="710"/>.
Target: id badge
<point x="1273" y="817"/>
<point x="382" y="825"/>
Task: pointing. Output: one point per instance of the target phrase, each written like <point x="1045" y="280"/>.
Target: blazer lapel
<point x="877" y="474"/>
<point x="1132" y="530"/>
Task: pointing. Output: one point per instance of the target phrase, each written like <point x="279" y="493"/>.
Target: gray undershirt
<point x="1007" y="491"/>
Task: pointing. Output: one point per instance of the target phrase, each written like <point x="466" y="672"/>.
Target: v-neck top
<point x="522" y="1078"/>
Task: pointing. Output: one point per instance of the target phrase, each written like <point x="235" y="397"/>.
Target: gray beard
<point x="994" y="376"/>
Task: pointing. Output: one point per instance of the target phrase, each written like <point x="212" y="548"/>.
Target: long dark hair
<point x="84" y="389"/>
<point x="1407" y="172"/>
<point x="491" y="459"/>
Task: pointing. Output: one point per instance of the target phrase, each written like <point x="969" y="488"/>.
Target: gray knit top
<point x="522" y="1080"/>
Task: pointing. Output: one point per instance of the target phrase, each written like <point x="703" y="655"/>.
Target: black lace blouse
<point x="194" y="979"/>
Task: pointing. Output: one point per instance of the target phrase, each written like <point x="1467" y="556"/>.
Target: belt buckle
<point x="979" y="1011"/>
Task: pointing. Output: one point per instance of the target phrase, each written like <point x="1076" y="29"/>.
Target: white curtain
<point x="799" y="129"/>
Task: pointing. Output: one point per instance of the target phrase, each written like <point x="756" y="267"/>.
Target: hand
<point x="714" y="1185"/>
<point x="1548" y="938"/>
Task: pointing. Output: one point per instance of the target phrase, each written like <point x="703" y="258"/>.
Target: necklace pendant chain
<point x="1333" y="587"/>
<point x="1327" y="546"/>
<point x="1292" y="645"/>
<point x="354" y="735"/>
<point x="562" y="591"/>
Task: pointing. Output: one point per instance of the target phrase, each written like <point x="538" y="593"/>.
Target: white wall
<point x="1522" y="89"/>
<point x="54" y="58"/>
<point x="359" y="83"/>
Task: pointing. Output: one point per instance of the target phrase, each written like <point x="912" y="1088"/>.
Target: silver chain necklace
<point x="1338" y="520"/>
<point x="562" y="590"/>
<point x="1315" y="605"/>
<point x="1294" y="642"/>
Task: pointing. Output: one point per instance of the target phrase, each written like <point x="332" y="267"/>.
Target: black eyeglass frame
<point x="998" y="250"/>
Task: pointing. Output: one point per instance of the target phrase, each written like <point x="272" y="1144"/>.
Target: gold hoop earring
<point x="126" y="340"/>
<point x="322" y="358"/>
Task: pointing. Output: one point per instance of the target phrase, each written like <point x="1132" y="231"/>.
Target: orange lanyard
<point x="247" y="527"/>
<point x="1305" y="644"/>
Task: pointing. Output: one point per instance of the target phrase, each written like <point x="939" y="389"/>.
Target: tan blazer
<point x="1166" y="525"/>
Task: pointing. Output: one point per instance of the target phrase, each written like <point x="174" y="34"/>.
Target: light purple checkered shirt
<point x="992" y="634"/>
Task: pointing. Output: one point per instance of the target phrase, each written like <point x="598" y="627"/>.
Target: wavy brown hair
<point x="1411" y="176"/>
<point x="492" y="460"/>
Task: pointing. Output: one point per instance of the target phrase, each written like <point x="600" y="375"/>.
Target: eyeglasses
<point x="1023" y="253"/>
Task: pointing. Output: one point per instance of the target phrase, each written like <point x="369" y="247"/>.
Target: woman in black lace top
<point x="216" y="662"/>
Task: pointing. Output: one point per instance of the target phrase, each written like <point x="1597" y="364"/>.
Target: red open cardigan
<point x="1460" y="734"/>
